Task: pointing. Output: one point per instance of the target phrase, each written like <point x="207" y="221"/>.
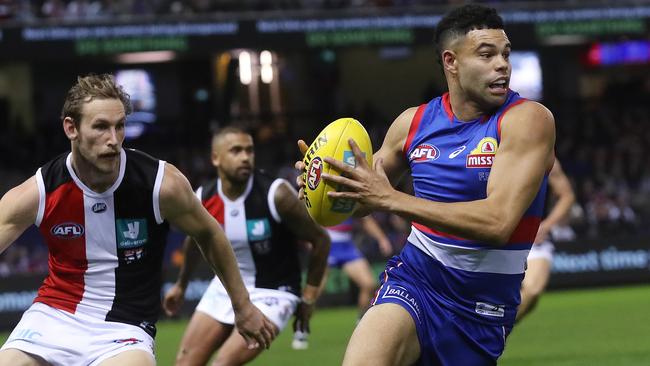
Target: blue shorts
<point x="342" y="252"/>
<point x="446" y="338"/>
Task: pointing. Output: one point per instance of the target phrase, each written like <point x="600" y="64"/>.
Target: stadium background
<point x="286" y="68"/>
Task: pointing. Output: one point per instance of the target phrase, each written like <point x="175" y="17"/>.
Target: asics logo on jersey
<point x="67" y="230"/>
<point x="457" y="151"/>
<point x="424" y="152"/>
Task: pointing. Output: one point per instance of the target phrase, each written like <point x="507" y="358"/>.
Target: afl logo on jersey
<point x="67" y="230"/>
<point x="483" y="155"/>
<point x="424" y="152"/>
<point x="313" y="173"/>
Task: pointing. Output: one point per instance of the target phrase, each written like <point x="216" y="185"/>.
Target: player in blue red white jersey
<point x="478" y="156"/>
<point x="344" y="254"/>
<point x="540" y="258"/>
<point x="263" y="220"/>
<point x="104" y="212"/>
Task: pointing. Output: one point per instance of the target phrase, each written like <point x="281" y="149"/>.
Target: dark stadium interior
<point x="594" y="78"/>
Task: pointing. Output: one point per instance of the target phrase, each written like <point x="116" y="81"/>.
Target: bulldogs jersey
<point x="342" y="231"/>
<point x="265" y="248"/>
<point x="450" y="161"/>
<point x="105" y="249"/>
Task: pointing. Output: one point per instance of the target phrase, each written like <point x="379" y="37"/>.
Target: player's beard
<point x="239" y="175"/>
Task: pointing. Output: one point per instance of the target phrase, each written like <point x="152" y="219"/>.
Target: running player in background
<point x="344" y="254"/>
<point x="540" y="257"/>
<point x="478" y="156"/>
<point x="104" y="212"/>
<point x="263" y="219"/>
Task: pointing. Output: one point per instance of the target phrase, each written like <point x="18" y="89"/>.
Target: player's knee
<point x="229" y="357"/>
<point x="186" y="357"/>
<point x="529" y="301"/>
<point x="367" y="288"/>
<point x="368" y="285"/>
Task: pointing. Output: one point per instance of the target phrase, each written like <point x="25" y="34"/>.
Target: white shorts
<point x="276" y="305"/>
<point x="543" y="250"/>
<point x="66" y="339"/>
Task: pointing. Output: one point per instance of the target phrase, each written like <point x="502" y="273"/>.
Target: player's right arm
<point x="294" y="213"/>
<point x="371" y="226"/>
<point x="524" y="155"/>
<point x="18" y="210"/>
<point x="391" y="152"/>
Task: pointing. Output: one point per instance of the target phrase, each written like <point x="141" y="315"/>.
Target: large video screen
<point x="526" y="74"/>
<point x="619" y="53"/>
<point x="139" y="84"/>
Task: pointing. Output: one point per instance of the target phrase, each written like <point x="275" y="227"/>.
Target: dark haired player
<point x="478" y="156"/>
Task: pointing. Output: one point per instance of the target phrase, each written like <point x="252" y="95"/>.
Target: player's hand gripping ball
<point x="332" y="142"/>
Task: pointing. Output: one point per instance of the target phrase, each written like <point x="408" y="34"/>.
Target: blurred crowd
<point x="601" y="146"/>
<point x="600" y="142"/>
<point x="33" y="10"/>
<point x="602" y="149"/>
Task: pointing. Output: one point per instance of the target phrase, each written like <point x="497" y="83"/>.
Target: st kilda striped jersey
<point x="105" y="249"/>
<point x="265" y="248"/>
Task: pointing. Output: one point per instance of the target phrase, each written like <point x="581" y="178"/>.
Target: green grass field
<point x="603" y="327"/>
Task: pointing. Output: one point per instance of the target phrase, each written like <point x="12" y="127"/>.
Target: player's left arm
<point x="293" y="213"/>
<point x="180" y="206"/>
<point x="523" y="157"/>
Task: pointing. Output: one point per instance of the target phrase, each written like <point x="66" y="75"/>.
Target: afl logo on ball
<point x="424" y="152"/>
<point x="67" y="230"/>
<point x="313" y="173"/>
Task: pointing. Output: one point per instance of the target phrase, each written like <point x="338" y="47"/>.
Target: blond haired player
<point x="104" y="212"/>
